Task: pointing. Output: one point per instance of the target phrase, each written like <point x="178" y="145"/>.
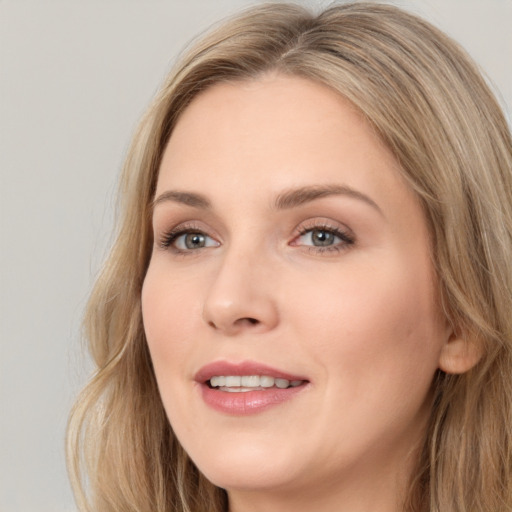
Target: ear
<point x="459" y="354"/>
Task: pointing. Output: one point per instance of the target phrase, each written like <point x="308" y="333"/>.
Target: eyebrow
<point x="298" y="196"/>
<point x="288" y="199"/>
<point x="186" y="198"/>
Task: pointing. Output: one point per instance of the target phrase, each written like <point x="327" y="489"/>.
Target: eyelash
<point x="169" y="237"/>
<point x="347" y="239"/>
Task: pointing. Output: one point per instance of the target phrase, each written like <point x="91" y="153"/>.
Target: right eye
<point x="188" y="240"/>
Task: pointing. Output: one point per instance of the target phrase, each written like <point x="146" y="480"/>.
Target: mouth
<point x="246" y="388"/>
<point x="247" y="383"/>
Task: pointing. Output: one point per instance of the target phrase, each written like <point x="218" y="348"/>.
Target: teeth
<point x="282" y="383"/>
<point x="218" y="381"/>
<point x="237" y="383"/>
<point x="266" y="382"/>
<point x="251" y="381"/>
<point x="234" y="381"/>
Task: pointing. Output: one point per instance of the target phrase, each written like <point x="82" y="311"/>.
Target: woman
<point x="308" y="306"/>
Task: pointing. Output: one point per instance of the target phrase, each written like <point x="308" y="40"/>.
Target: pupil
<point x="194" y="240"/>
<point x="322" y="237"/>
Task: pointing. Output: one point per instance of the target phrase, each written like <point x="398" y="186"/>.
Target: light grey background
<point x="75" y="76"/>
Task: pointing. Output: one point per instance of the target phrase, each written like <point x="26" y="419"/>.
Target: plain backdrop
<point x="75" y="76"/>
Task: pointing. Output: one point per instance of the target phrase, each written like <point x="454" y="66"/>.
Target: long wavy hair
<point x="430" y="105"/>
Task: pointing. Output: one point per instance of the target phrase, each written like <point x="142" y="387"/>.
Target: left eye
<point x="321" y="237"/>
<point x="193" y="240"/>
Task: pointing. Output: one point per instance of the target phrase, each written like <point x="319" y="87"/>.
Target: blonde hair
<point x="430" y="105"/>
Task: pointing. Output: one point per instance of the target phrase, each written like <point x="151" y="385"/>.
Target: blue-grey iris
<point x="321" y="237"/>
<point x="195" y="240"/>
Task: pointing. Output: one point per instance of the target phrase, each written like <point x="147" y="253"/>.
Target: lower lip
<point x="248" y="402"/>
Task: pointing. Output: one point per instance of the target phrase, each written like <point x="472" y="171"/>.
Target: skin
<point x="359" y="320"/>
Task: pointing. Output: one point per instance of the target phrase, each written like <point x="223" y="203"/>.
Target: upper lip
<point x="218" y="368"/>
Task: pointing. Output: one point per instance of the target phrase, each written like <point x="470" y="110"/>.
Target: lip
<point x="242" y="368"/>
<point x="249" y="402"/>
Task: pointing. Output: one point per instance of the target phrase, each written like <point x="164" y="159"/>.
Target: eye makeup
<point x="316" y="236"/>
<point x="167" y="240"/>
<point x="322" y="238"/>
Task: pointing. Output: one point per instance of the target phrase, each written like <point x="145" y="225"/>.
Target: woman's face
<point x="291" y="260"/>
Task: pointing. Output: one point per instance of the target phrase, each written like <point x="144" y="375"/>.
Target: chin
<point x="248" y="469"/>
<point x="249" y="479"/>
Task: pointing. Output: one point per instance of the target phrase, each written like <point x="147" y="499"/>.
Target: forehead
<point x="263" y="135"/>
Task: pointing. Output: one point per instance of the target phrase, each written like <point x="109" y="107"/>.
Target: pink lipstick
<point x="247" y="387"/>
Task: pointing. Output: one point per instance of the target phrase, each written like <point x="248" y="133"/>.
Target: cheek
<point x="168" y="310"/>
<point x="375" y="325"/>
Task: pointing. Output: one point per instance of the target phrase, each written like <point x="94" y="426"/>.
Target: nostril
<point x="252" y="321"/>
<point x="247" y="320"/>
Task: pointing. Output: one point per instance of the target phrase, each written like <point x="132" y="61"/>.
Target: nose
<point x="242" y="296"/>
